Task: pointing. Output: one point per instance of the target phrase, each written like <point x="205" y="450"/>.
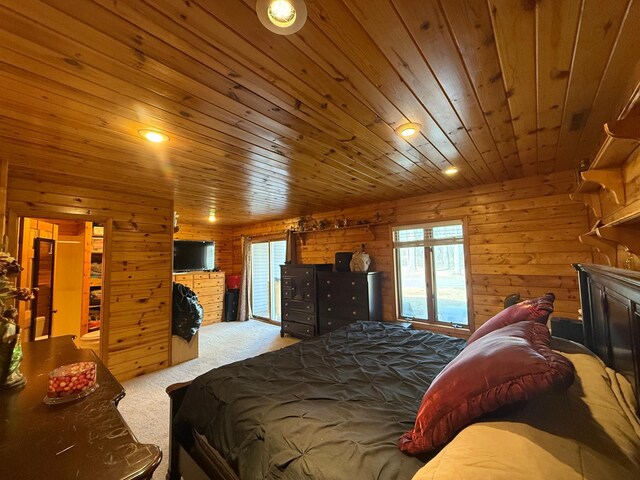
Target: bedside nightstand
<point x="567" y="328"/>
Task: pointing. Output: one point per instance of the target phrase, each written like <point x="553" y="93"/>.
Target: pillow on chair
<point x="537" y="309"/>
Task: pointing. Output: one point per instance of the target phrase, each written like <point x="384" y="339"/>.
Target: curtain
<point x="244" y="303"/>
<point x="292" y="248"/>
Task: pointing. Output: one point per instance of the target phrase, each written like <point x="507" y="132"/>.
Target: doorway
<point x="63" y="259"/>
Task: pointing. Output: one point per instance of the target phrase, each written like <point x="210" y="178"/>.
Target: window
<point x="430" y="272"/>
<point x="266" y="258"/>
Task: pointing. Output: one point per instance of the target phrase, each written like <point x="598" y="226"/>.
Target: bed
<point x="335" y="406"/>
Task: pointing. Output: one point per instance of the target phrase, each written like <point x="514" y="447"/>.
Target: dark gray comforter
<point x="328" y="408"/>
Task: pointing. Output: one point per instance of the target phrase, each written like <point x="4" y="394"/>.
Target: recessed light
<point x="212" y="216"/>
<point x="408" y="129"/>
<point x="153" y="136"/>
<point x="281" y="13"/>
<point x="451" y="171"/>
<point x="283" y="17"/>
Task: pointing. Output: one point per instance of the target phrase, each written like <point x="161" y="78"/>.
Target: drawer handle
<point x="328" y="295"/>
<point x="354" y="312"/>
<point x="328" y="282"/>
<point x="329" y="323"/>
<point x="308" y="331"/>
<point x="353" y="298"/>
<point x="308" y="307"/>
<point x="308" y="283"/>
<point x="353" y="283"/>
<point x="309" y="319"/>
<point x="329" y="309"/>
<point x="286" y="304"/>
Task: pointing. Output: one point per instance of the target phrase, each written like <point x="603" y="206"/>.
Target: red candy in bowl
<point x="70" y="382"/>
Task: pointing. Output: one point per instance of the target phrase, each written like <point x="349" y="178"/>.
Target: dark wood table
<point x="85" y="438"/>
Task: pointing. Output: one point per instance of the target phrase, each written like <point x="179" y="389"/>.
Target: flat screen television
<point x="189" y="255"/>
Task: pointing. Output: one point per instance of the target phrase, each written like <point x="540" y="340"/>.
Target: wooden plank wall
<point x="222" y="236"/>
<point x="522" y="234"/>
<point x="137" y="269"/>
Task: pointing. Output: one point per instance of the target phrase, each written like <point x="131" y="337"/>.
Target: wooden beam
<point x="4" y="181"/>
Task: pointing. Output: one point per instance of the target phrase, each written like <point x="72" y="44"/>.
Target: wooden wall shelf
<point x="609" y="179"/>
<point x="605" y="247"/>
<point x="613" y="221"/>
<point x="364" y="226"/>
<point x="624" y="235"/>
<point x="623" y="137"/>
<point x="590" y="199"/>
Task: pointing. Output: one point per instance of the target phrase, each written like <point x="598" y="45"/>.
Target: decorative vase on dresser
<point x="299" y="299"/>
<point x="346" y="297"/>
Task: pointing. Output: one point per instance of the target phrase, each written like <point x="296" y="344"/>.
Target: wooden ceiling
<point x="265" y="126"/>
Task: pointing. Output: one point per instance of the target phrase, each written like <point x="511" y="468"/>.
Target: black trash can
<point x="231" y="305"/>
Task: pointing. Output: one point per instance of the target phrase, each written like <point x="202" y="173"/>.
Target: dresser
<point x="209" y="287"/>
<point x="299" y="299"/>
<point x="345" y="297"/>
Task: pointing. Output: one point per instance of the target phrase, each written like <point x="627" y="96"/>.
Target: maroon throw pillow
<point x="509" y="365"/>
<point x="537" y="309"/>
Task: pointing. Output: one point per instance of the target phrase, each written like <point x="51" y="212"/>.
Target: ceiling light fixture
<point x="153" y="136"/>
<point x="408" y="129"/>
<point x="212" y="216"/>
<point x="451" y="171"/>
<point x="283" y="17"/>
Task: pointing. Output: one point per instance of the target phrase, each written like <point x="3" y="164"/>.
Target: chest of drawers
<point x="299" y="299"/>
<point x="345" y="297"/>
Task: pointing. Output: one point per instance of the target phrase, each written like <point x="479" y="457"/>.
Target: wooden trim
<point x="172" y="232"/>
<point x="86" y="284"/>
<point x="4" y="182"/>
<point x="471" y="322"/>
<point x="105" y="318"/>
<point x="13" y="229"/>
<point x="266" y="237"/>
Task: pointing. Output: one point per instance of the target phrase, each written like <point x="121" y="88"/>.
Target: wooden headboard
<point x="610" y="299"/>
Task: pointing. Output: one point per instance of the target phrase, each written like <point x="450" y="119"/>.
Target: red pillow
<point x="537" y="309"/>
<point x="509" y="365"/>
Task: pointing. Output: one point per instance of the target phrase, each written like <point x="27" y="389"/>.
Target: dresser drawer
<point x="299" y="305"/>
<point x="349" y="298"/>
<point x="347" y="285"/>
<point x="339" y="310"/>
<point x="302" y="317"/>
<point x="205" y="283"/>
<point x="298" y="329"/>
<point x="298" y="271"/>
<point x="298" y="290"/>
<point x="186" y="280"/>
<point x="330" y="324"/>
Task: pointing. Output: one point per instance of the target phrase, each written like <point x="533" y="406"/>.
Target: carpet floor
<point x="145" y="407"/>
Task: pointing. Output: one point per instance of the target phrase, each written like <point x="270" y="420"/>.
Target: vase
<point x="10" y="355"/>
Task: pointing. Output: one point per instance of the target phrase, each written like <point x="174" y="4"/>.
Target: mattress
<point x="327" y="408"/>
